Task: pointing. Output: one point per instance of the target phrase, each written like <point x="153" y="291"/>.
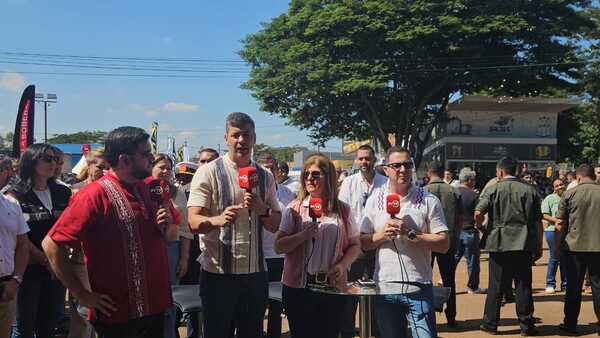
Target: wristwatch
<point x="412" y="235"/>
<point x="267" y="213"/>
<point x="18" y="278"/>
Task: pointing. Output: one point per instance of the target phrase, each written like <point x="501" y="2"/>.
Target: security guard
<point x="452" y="206"/>
<point x="578" y="223"/>
<point x="514" y="239"/>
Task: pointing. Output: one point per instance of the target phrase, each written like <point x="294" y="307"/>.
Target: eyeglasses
<point x="406" y="164"/>
<point x="204" y="161"/>
<point x="314" y="174"/>
<point x="49" y="158"/>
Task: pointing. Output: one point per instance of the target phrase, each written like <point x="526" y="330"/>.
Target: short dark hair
<point x="238" y="120"/>
<point x="283" y="166"/>
<point x="123" y="140"/>
<point x="396" y="149"/>
<point x="508" y="165"/>
<point x="266" y="155"/>
<point x="436" y="168"/>
<point x="586" y="170"/>
<point x="367" y="147"/>
<point x="209" y="150"/>
<point x="5" y="162"/>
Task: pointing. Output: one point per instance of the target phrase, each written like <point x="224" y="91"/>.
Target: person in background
<point x="284" y="179"/>
<point x="93" y="170"/>
<point x="178" y="250"/>
<point x="316" y="252"/>
<point x="549" y="210"/>
<point x="58" y="171"/>
<point x="452" y="206"/>
<point x="409" y="238"/>
<point x="576" y="233"/>
<point x="41" y="298"/>
<point x="571" y="180"/>
<point x="207" y="155"/>
<point x="234" y="280"/>
<point x="274" y="260"/>
<point x="184" y="172"/>
<point x="354" y="191"/>
<point x="468" y="244"/>
<point x="95" y="166"/>
<point x="597" y="172"/>
<point x="14" y="250"/>
<point x="514" y="239"/>
<point x="123" y="233"/>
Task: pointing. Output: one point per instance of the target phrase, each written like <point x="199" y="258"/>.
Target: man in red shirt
<point x="122" y="232"/>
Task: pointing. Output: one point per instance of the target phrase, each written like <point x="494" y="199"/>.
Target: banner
<point x="154" y="137"/>
<point x="171" y="150"/>
<point x="25" y="122"/>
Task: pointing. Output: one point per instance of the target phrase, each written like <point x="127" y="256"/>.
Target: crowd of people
<point x="118" y="241"/>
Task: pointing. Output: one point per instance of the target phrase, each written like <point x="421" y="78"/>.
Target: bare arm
<point x="271" y="222"/>
<point x="549" y="219"/>
<point x="59" y="261"/>
<point x="202" y="223"/>
<point x="352" y="253"/>
<point x="559" y="232"/>
<point x="285" y="243"/>
<point x="21" y="254"/>
<point x="435" y="242"/>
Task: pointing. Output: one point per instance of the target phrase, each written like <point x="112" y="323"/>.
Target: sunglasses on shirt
<point x="314" y="174"/>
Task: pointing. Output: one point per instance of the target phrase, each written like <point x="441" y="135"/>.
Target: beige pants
<point x="7" y="317"/>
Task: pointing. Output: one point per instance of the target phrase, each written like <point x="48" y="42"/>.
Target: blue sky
<point x="189" y="109"/>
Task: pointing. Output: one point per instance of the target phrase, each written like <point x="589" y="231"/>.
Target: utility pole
<point x="46" y="99"/>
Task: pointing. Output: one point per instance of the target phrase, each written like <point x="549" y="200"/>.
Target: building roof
<point x="512" y="104"/>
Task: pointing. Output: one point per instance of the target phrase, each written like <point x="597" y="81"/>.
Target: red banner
<point x="25" y="121"/>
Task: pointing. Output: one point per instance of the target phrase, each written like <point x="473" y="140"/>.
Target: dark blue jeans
<point x="468" y="246"/>
<point x="40" y="303"/>
<point x="553" y="264"/>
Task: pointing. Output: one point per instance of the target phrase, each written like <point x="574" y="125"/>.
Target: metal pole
<point x="365" y="316"/>
<point x="45" y="121"/>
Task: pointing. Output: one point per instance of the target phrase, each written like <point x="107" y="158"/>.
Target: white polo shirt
<point x="421" y="211"/>
<point x="355" y="191"/>
<point x="12" y="224"/>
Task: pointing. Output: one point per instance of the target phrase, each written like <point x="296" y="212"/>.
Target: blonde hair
<point x="91" y="157"/>
<point x="331" y="187"/>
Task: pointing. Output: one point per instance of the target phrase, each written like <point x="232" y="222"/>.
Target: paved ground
<point x="548" y="307"/>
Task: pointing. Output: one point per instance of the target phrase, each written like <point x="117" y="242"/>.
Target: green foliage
<point x="83" y="137"/>
<point x="280" y="153"/>
<point x="365" y="69"/>
<point x="6" y="142"/>
<point x="581" y="142"/>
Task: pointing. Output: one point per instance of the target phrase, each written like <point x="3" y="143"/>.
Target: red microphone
<point x="248" y="178"/>
<point x="392" y="204"/>
<point x="315" y="208"/>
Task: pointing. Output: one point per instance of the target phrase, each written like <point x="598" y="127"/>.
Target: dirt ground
<point x="548" y="308"/>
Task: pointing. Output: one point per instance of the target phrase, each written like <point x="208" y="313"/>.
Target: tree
<point x="6" y="143"/>
<point x="281" y="153"/>
<point x="82" y="137"/>
<point x="367" y="69"/>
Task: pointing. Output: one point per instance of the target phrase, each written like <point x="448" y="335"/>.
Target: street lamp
<point x="48" y="98"/>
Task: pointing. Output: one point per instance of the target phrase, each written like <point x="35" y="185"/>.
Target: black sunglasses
<point x="397" y="165"/>
<point x="314" y="174"/>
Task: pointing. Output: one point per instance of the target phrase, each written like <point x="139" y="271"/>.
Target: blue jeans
<point x="40" y="302"/>
<point x="170" y="326"/>
<point x="553" y="264"/>
<point x="395" y="312"/>
<point x="468" y="246"/>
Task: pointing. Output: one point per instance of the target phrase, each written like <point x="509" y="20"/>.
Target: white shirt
<point x="421" y="211"/>
<point x="45" y="197"/>
<point x="320" y="258"/>
<point x="572" y="185"/>
<point x="292" y="184"/>
<point x="355" y="190"/>
<point x="12" y="224"/>
<point x="284" y="197"/>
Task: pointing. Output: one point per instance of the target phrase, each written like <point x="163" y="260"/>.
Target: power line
<point x="123" y="58"/>
<point x="172" y="76"/>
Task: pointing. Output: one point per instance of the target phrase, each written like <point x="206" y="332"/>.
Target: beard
<point x="141" y="173"/>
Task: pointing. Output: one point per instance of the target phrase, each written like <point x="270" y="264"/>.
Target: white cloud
<point x="13" y="82"/>
<point x="177" y="107"/>
<point x="151" y="113"/>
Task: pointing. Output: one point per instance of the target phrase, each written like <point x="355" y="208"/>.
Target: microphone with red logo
<point x="160" y="191"/>
<point x="248" y="178"/>
<point x="392" y="204"/>
<point x="315" y="210"/>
